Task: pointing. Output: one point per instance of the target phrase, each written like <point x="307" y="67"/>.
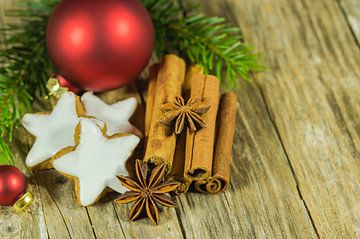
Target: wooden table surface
<point x="296" y="157"/>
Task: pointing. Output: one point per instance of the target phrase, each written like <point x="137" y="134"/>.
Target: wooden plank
<point x="64" y="217"/>
<point x="262" y="201"/>
<point x="312" y="91"/>
<point x="3" y="6"/>
<point x="351" y="10"/>
<point x="168" y="227"/>
<point x="30" y="224"/>
<point x="294" y="174"/>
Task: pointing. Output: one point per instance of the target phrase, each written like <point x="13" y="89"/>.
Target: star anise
<point x="147" y="191"/>
<point x="181" y="112"/>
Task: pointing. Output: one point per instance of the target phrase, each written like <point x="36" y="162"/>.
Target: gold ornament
<point x="23" y="203"/>
<point x="55" y="90"/>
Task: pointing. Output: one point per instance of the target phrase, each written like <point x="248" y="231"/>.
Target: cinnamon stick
<point x="223" y="149"/>
<point x="161" y="141"/>
<point x="200" y="144"/>
<point x="177" y="171"/>
<point x="190" y="73"/>
<point x="150" y="98"/>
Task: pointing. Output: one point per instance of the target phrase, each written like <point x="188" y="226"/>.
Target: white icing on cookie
<point x="115" y="116"/>
<point x="96" y="161"/>
<point x="52" y="131"/>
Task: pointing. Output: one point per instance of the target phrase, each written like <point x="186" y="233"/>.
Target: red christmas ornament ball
<point x="100" y="44"/>
<point x="12" y="185"/>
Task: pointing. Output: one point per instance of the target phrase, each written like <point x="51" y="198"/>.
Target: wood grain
<point x="311" y="91"/>
<point x="351" y="11"/>
<point x="262" y="201"/>
<point x="296" y="156"/>
<point x="31" y="224"/>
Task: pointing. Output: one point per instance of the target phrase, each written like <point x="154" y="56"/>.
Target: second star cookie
<point x="116" y="116"/>
<point x="95" y="160"/>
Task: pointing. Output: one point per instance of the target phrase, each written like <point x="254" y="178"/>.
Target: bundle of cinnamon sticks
<point x="200" y="158"/>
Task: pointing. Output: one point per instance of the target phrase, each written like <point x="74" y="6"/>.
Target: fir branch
<point x="212" y="43"/>
<point x="208" y="41"/>
<point x="25" y="67"/>
<point x="163" y="14"/>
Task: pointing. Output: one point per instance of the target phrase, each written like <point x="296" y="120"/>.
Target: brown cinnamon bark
<point x="150" y="98"/>
<point x="191" y="71"/>
<point x="200" y="144"/>
<point x="177" y="171"/>
<point x="161" y="141"/>
<point x="223" y="149"/>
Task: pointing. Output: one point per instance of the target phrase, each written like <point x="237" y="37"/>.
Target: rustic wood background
<point x="296" y="164"/>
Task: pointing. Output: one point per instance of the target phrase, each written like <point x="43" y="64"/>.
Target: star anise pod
<point x="147" y="191"/>
<point x="180" y="112"/>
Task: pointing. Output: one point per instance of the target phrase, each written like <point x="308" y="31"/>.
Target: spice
<point x="150" y="98"/>
<point x="223" y="149"/>
<point x="181" y="113"/>
<point x="161" y="141"/>
<point x="147" y="191"/>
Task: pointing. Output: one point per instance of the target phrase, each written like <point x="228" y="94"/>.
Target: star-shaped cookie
<point x="95" y="160"/>
<point x="53" y="131"/>
<point x="115" y="116"/>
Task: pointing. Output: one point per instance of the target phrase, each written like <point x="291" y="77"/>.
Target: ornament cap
<point x="24" y="202"/>
<point x="54" y="88"/>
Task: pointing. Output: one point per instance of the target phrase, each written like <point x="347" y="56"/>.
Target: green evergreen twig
<point x="208" y="41"/>
<point x="25" y="67"/>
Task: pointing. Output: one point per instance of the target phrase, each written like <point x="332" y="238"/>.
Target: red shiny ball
<point x="100" y="44"/>
<point x="12" y="185"/>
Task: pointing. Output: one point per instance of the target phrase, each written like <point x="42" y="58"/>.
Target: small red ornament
<point x="13" y="188"/>
<point x="100" y="44"/>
